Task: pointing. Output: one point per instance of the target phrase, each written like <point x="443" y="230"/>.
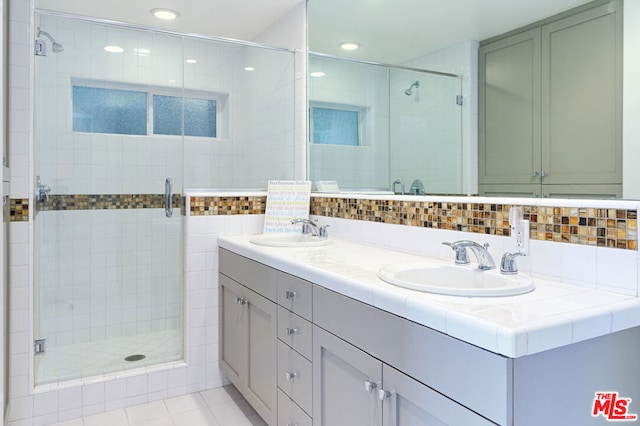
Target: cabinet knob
<point x="291" y="331"/>
<point x="290" y="295"/>
<point x="383" y="394"/>
<point x="290" y="375"/>
<point x="544" y="174"/>
<point x="241" y="300"/>
<point x="369" y="386"/>
<point x="534" y="174"/>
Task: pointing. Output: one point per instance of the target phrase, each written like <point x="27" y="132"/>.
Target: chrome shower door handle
<point x="168" y="196"/>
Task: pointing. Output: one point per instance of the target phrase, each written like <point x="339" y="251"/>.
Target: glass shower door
<point x="108" y="288"/>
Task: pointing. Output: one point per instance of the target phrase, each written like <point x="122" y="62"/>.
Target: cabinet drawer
<point x="294" y="376"/>
<point x="289" y="414"/>
<point x="295" y="331"/>
<point x="251" y="274"/>
<point x="295" y="294"/>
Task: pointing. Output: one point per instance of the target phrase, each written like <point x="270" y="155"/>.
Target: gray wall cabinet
<point x="551" y="108"/>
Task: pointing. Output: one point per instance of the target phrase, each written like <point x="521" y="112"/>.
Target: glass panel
<point x="199" y="116"/>
<point x="107" y="266"/>
<point x="335" y="126"/>
<point x="98" y="110"/>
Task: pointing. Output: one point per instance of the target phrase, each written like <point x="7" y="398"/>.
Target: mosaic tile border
<point x="601" y="227"/>
<point x="19" y="210"/>
<point x="107" y="202"/>
<point x="616" y="228"/>
<point x="227" y="205"/>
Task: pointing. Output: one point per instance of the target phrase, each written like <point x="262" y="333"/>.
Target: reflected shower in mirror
<point x="371" y="125"/>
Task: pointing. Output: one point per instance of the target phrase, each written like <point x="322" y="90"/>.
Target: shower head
<point x="55" y="46"/>
<point x="409" y="91"/>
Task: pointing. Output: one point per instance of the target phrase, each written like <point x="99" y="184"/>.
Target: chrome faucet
<point x="508" y="263"/>
<point x="42" y="191"/>
<point x="485" y="261"/>
<point x="396" y="182"/>
<point x="416" y="188"/>
<point x="311" y="227"/>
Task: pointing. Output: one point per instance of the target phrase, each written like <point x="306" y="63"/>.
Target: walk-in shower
<point x="405" y="125"/>
<point x="118" y="134"/>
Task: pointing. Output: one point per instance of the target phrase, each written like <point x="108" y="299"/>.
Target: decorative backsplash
<point x="227" y="205"/>
<point x="587" y="226"/>
<point x="602" y="227"/>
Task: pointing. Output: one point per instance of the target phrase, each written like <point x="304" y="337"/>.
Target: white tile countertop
<point x="553" y="315"/>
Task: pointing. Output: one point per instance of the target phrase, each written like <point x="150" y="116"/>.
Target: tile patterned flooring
<point x="107" y="356"/>
<point x="214" y="407"/>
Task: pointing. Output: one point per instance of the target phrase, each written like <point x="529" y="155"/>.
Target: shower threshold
<point x="82" y="360"/>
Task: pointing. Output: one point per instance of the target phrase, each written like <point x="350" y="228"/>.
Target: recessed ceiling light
<point x="249" y="69"/>
<point x="349" y="45"/>
<point x="192" y="61"/>
<point x="114" y="49"/>
<point x="165" y="14"/>
<point x="141" y="52"/>
<point x="317" y="74"/>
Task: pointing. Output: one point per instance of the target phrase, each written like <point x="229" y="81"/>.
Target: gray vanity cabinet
<point x="248" y="333"/>
<point x="346" y="381"/>
<point x="384" y="370"/>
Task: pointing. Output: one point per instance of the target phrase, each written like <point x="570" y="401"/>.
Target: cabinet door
<point x="345" y="383"/>
<point x="582" y="98"/>
<point x="260" y="385"/>
<point x="232" y="355"/>
<point x="509" y="120"/>
<point x="410" y="403"/>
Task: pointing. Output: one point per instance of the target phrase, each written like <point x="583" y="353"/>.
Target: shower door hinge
<point x="459" y="99"/>
<point x="38" y="346"/>
<point x="40" y="48"/>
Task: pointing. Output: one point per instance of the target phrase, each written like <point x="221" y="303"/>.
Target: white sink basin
<point x="285" y="239"/>
<point x="455" y="280"/>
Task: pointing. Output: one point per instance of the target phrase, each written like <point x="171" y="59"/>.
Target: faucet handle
<point x="508" y="263"/>
<point x="322" y="231"/>
<point x="462" y="257"/>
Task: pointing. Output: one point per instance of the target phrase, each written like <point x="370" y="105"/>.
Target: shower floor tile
<point x="107" y="356"/>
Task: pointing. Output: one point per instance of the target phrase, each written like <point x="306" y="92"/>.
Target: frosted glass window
<point x="99" y="110"/>
<point x="332" y="126"/>
<point x="199" y="116"/>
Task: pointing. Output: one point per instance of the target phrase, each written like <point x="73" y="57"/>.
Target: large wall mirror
<point x="403" y="106"/>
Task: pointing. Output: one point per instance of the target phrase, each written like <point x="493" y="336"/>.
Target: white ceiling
<point x="390" y="31"/>
<point x="395" y="31"/>
<point x="238" y="19"/>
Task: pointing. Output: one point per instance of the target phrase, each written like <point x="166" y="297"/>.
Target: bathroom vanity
<point x="310" y="338"/>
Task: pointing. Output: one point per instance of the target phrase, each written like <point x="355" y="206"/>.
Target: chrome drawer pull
<point x="369" y="386"/>
<point x="291" y="331"/>
<point x="290" y="376"/>
<point x="290" y="295"/>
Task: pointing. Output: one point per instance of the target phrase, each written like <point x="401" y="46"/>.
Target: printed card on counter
<point x="286" y="200"/>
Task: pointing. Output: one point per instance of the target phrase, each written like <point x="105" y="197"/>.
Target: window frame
<point x="222" y="117"/>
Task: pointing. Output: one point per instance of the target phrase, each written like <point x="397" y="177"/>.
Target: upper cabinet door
<point x="582" y="97"/>
<point x="509" y="122"/>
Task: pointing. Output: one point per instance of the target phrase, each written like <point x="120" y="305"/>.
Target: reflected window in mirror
<point x="336" y="124"/>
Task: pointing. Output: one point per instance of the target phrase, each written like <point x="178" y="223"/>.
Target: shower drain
<point x="136" y="357"/>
